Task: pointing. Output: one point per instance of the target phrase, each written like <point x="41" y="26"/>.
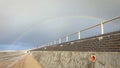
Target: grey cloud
<point x="39" y="19"/>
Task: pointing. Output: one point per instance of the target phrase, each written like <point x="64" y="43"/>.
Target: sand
<point x="4" y="64"/>
<point x="27" y="62"/>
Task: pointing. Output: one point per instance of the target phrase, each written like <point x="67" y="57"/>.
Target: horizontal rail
<point x="78" y="32"/>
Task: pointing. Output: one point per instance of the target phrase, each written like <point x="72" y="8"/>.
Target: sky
<point x="26" y="24"/>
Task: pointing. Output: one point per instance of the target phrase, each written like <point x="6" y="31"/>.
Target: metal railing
<point x="101" y="24"/>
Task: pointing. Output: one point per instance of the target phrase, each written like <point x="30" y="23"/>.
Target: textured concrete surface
<point x="70" y="59"/>
<point x="109" y="42"/>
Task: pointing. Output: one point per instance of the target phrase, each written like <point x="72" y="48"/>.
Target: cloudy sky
<point x="27" y="24"/>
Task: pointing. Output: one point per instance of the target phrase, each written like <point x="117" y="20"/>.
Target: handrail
<point x="78" y="32"/>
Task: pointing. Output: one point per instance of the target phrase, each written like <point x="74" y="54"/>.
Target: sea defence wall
<point x="101" y="51"/>
<point x="72" y="59"/>
<point x="109" y="42"/>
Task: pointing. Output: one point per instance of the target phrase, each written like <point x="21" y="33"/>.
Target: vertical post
<point x="59" y="40"/>
<point x="79" y="35"/>
<point x="67" y="38"/>
<point x="54" y="42"/>
<point x="102" y="28"/>
<point x="50" y="43"/>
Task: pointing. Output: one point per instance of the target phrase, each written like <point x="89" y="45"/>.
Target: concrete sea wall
<point x="76" y="59"/>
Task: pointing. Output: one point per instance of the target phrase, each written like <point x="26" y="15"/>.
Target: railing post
<point x="50" y="43"/>
<point x="102" y="28"/>
<point x="79" y="35"/>
<point x="59" y="40"/>
<point x="67" y="38"/>
<point x="54" y="42"/>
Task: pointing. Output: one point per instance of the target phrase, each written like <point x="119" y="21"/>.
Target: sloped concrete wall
<point x="70" y="59"/>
